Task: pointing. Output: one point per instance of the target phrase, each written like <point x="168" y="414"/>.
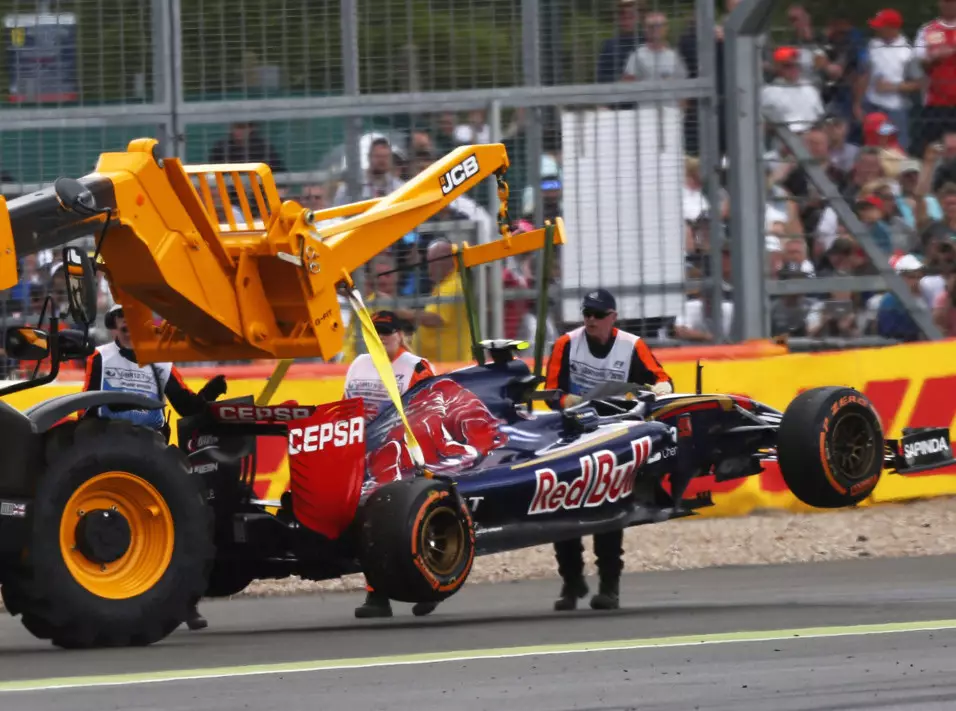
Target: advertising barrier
<point x="910" y="386"/>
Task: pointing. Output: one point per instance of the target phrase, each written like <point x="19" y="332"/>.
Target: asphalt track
<point x="864" y="634"/>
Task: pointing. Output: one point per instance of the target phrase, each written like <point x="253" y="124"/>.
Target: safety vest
<point x="123" y="375"/>
<point x="362" y="380"/>
<point x="587" y="372"/>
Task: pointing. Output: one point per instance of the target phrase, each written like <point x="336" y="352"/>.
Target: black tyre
<point x="121" y="540"/>
<point x="417" y="541"/>
<point x="830" y="447"/>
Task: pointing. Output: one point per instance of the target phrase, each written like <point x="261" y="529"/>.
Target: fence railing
<point x="657" y="170"/>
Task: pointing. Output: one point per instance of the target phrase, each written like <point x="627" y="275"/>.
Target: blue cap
<point x="599" y="300"/>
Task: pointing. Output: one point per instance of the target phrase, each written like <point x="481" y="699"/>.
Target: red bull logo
<point x="602" y="480"/>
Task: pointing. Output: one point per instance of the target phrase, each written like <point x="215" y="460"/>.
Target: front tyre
<point x="121" y="542"/>
<point x="417" y="540"/>
<point x="830" y="447"/>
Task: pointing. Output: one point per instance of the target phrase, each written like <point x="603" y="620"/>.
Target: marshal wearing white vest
<point x="596" y="353"/>
<point x="362" y="379"/>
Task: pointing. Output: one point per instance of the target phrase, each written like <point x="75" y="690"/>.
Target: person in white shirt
<point x="887" y="76"/>
<point x="363" y="380"/>
<point x="789" y="100"/>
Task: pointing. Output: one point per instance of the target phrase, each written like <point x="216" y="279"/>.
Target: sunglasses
<point x="591" y="313"/>
<point x="385" y="330"/>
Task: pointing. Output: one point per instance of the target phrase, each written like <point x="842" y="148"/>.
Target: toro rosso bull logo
<point x="453" y="427"/>
<point x="602" y="480"/>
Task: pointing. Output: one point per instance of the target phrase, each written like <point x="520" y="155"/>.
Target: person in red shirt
<point x="936" y="50"/>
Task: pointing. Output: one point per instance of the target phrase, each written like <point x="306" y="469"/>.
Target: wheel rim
<point x="852" y="447"/>
<point x="443" y="540"/>
<point x="131" y="502"/>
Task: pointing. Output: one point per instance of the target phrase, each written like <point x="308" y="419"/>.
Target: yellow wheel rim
<point x="150" y="541"/>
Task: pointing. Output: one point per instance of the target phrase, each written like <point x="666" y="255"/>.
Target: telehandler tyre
<point x="121" y="540"/>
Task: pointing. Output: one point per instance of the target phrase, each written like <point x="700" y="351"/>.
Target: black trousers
<point x="608" y="550"/>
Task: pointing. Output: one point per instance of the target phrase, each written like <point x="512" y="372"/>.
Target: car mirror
<point x="74" y="196"/>
<point x="25" y="343"/>
<point x="74" y="345"/>
<point x="80" y="286"/>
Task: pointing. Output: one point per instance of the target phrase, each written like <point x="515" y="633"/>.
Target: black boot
<point x="195" y="621"/>
<point x="376" y="605"/>
<point x="571" y="591"/>
<point x="423" y="608"/>
<point x="608" y="596"/>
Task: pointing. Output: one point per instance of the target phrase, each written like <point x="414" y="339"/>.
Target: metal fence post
<point x="747" y="183"/>
<point x="495" y="273"/>
<point x="353" y="127"/>
<point x="531" y="63"/>
<point x="167" y="70"/>
<point x="710" y="158"/>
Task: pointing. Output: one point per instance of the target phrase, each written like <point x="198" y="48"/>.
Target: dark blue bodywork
<point x="517" y="492"/>
<point x="551" y="475"/>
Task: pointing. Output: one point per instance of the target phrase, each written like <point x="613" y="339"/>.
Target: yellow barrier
<point x="910" y="385"/>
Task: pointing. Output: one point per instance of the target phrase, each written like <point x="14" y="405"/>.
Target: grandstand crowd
<point x="874" y="106"/>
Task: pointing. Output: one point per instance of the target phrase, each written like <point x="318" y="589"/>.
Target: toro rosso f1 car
<point x="501" y="474"/>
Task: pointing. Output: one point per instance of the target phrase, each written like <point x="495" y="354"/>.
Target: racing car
<point x="501" y="473"/>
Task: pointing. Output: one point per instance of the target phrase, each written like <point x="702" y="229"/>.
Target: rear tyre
<point x="121" y="541"/>
<point x="417" y="541"/>
<point x="830" y="447"/>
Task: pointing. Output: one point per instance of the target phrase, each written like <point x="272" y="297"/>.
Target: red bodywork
<point x="328" y="464"/>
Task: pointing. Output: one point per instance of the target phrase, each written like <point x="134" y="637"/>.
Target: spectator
<point x="870" y="210"/>
<point x="656" y="60"/>
<point x="381" y="294"/>
<point x="475" y="131"/>
<point x="936" y="51"/>
<point x="795" y="255"/>
<point x="616" y="50"/>
<point x="788" y="313"/>
<point x="314" y="197"/>
<point x="551" y="191"/>
<point x="902" y="236"/>
<point x="811" y="202"/>
<point x="443" y="333"/>
<point x="893" y="320"/>
<point x="379" y="180"/>
<point x="842" y="152"/>
<point x="915" y="206"/>
<point x="887" y="80"/>
<point x="789" y="100"/>
<point x="844" y="53"/>
<point x="942" y="157"/>
<point x="944" y="306"/>
<point x="867" y="168"/>
<point x="835" y="318"/>
<point x="444" y="135"/>
<point x="696" y="324"/>
<point x="843" y="258"/>
<point x="687" y="46"/>
<point x="775" y="258"/>
<point x="938" y="253"/>
<point x="808" y="44"/>
<point x="882" y="134"/>
<point x="947" y="202"/>
<point x="246" y="144"/>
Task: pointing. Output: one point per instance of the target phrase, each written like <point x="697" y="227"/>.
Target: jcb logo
<point x="459" y="174"/>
